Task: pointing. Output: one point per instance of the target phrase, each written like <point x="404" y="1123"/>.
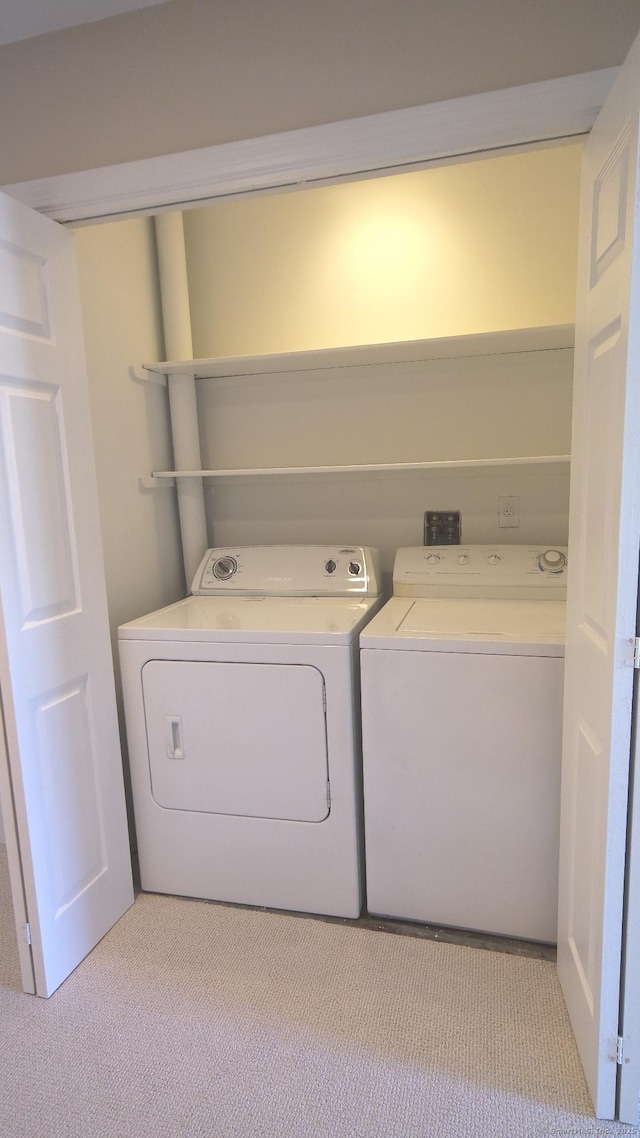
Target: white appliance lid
<point x="273" y="620"/>
<point x="469" y="625"/>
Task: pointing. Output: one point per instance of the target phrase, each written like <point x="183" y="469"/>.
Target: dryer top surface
<point x="273" y="620"/>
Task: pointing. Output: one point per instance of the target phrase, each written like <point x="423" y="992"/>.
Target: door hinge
<point x="324" y="697"/>
<point x="636" y="651"/>
<point x="328" y="795"/>
<point x="620" y="1051"/>
<point x="27" y="933"/>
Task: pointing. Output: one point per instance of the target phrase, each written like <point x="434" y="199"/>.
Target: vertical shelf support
<point x="174" y="292"/>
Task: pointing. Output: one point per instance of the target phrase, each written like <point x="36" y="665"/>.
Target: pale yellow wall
<point x="481" y="246"/>
<point x="483" y="406"/>
<point x="475" y="247"/>
<point x="122" y="326"/>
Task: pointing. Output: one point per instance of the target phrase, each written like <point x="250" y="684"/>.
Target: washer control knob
<point x="552" y="561"/>
<point x="433" y="558"/>
<point x="494" y="558"/>
<point x="330" y="566"/>
<point x="224" y="568"/>
<point x="463" y="558"/>
<point x="355" y="568"/>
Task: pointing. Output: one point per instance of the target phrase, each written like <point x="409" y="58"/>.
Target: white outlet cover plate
<point x="508" y="511"/>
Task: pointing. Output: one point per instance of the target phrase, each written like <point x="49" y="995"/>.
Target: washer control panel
<point x="289" y="570"/>
<point x="534" y="572"/>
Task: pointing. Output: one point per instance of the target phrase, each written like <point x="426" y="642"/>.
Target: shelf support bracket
<point x="138" y="373"/>
<point x="152" y="483"/>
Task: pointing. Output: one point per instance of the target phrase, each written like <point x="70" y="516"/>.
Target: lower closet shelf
<point x="364" y="468"/>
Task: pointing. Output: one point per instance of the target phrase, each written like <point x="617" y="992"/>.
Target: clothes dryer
<point x="241" y="714"/>
<point x="462" y="676"/>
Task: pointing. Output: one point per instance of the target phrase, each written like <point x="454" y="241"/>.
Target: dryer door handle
<point x="173" y="734"/>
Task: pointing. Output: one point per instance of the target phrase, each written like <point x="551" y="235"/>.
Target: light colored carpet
<point x="206" y="1021"/>
<point x="9" y="964"/>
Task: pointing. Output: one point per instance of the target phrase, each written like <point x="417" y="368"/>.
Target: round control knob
<point x="433" y="558"/>
<point x="224" y="568"/>
<point x="355" y="568"/>
<point x="494" y="559"/>
<point x="552" y="561"/>
<point x="330" y="566"/>
<point x="463" y="559"/>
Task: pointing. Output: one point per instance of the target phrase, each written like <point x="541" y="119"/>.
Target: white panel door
<point x="601" y="616"/>
<point x="56" y="674"/>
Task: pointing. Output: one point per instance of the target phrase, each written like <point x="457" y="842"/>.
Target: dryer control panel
<point x="504" y="571"/>
<point x="289" y="571"/>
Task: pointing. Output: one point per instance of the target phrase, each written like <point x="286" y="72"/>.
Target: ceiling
<point x="21" y="19"/>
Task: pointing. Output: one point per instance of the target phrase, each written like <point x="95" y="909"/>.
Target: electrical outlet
<point x="508" y="511"/>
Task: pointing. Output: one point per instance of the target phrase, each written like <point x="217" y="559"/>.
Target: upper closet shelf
<point x="403" y="351"/>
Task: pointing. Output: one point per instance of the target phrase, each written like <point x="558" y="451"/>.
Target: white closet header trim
<point x="387" y="142"/>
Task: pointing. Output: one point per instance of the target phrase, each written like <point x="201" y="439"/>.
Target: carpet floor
<point x="211" y="1021"/>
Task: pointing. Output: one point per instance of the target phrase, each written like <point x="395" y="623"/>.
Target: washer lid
<point x="273" y="620"/>
<point x="469" y="625"/>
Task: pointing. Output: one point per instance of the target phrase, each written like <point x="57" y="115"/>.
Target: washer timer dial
<point x="224" y="568"/>
<point x="552" y="561"/>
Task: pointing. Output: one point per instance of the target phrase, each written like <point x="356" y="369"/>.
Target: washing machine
<point x="462" y="677"/>
<point x="241" y="707"/>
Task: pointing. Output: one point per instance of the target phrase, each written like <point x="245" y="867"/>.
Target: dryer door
<point x="237" y="738"/>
